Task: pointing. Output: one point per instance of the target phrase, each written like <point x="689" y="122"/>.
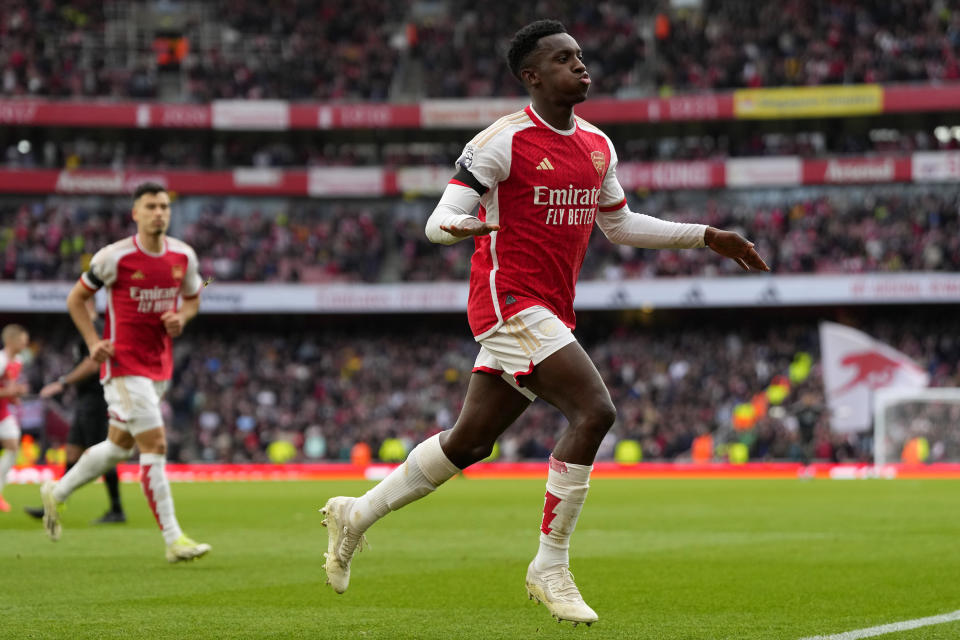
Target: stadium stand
<point x="335" y="383"/>
<point x="333" y="187"/>
<point x="833" y="230"/>
<point x="442" y="49"/>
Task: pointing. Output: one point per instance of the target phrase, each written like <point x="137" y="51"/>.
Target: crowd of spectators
<point x="51" y="149"/>
<point x="825" y="230"/>
<point x="378" y="50"/>
<point x="324" y="386"/>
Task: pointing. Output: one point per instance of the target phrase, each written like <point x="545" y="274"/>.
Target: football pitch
<point x="671" y="559"/>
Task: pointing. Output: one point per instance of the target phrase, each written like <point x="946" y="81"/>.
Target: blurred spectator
<point x="379" y="50"/>
<point x="135" y="149"/>
<point x="810" y="230"/>
<point x="326" y="386"/>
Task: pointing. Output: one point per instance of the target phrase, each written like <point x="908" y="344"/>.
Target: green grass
<point x="671" y="559"/>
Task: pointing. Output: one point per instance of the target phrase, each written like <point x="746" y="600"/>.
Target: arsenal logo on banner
<point x="599" y="162"/>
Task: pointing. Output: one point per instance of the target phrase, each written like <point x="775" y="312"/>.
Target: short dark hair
<point x="153" y="188"/>
<point x="525" y="41"/>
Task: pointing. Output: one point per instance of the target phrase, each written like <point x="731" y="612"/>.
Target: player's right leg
<point x="73" y="452"/>
<point x="93" y="463"/>
<point x="10" y="443"/>
<point x="491" y="405"/>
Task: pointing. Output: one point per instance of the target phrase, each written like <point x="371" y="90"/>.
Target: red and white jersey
<point x="9" y="372"/>
<point x="543" y="186"/>
<point x="141" y="286"/>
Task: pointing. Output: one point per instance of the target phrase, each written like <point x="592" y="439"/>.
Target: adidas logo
<point x="545" y="165"/>
<point x="137" y="275"/>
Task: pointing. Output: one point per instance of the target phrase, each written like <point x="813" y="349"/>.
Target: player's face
<point x="20" y="342"/>
<point x="151" y="211"/>
<point x="558" y="69"/>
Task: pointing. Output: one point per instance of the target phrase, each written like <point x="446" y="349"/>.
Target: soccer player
<point x="15" y="339"/>
<point x="145" y="276"/>
<point x="89" y="425"/>
<point x="542" y="177"/>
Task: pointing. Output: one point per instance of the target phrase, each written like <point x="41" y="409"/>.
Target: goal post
<point x="900" y="415"/>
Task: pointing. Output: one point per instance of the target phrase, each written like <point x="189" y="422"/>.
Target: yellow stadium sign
<point x="808" y="102"/>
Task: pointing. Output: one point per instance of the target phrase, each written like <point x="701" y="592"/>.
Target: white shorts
<point x="133" y="403"/>
<point x="9" y="428"/>
<point x="521" y="343"/>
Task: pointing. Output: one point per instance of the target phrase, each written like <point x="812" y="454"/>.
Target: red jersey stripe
<point x="613" y="207"/>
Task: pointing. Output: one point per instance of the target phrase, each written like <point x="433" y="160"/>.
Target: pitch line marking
<point x="893" y="627"/>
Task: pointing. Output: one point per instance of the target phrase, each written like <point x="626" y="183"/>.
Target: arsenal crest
<point x="599" y="162"/>
<point x="177" y="272"/>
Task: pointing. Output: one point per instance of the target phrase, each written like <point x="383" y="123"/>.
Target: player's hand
<point x="51" y="389"/>
<point x="19" y="389"/>
<point x="734" y="246"/>
<point x="101" y="351"/>
<point x="471" y="227"/>
<point x="173" y="323"/>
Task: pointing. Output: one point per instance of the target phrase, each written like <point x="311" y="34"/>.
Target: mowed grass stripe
<point x="698" y="559"/>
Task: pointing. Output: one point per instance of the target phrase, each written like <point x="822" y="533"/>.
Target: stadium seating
<point x="325" y="386"/>
<point x="869" y="230"/>
<point x="299" y="50"/>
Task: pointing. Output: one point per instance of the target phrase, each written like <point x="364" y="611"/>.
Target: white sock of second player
<point x="94" y="462"/>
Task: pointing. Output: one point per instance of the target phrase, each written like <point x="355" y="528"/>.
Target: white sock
<point x="156" y="487"/>
<point x="567" y="486"/>
<point x="7" y="458"/>
<point x="425" y="469"/>
<point x="94" y="462"/>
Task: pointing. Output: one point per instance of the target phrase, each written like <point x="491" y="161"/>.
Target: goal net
<point x="916" y="425"/>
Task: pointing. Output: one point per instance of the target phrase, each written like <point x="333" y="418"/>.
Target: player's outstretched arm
<point x="82" y="371"/>
<point x="734" y="246"/>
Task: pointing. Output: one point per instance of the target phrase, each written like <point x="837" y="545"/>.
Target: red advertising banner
<point x="330" y="182"/>
<point x="240" y="181"/>
<point x="857" y="170"/>
<point x="672" y="175"/>
<point x="266" y="115"/>
<point x="346" y="471"/>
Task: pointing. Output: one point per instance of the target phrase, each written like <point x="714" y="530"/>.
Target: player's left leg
<point x="156" y="487"/>
<point x="568" y="380"/>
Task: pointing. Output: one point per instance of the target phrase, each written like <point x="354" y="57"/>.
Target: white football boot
<point x="342" y="542"/>
<point x="185" y="548"/>
<point x="555" y="588"/>
<point x="51" y="510"/>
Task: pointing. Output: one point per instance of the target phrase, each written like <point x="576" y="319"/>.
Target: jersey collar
<point x="136" y="242"/>
<point x="543" y="123"/>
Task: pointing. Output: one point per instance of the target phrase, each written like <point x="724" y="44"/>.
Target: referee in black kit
<point x="90" y="422"/>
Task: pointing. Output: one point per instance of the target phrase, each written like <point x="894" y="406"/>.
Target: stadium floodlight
<point x="927" y="416"/>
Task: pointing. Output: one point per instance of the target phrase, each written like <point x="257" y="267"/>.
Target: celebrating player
<point x="542" y="177"/>
<point x="15" y="339"/>
<point x="89" y="425"/>
<point x="145" y="275"/>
